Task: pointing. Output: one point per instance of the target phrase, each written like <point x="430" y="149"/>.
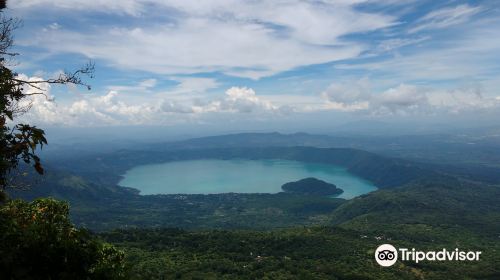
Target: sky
<point x="257" y="65"/>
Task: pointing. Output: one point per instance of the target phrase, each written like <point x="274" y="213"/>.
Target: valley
<point x="164" y="235"/>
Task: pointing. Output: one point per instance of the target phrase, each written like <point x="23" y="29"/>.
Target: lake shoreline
<point x="215" y="176"/>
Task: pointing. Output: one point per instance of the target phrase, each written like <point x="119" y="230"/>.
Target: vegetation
<point x="262" y="236"/>
<point x="311" y="186"/>
<point x="423" y="215"/>
<point x="448" y="203"/>
<point x="299" y="253"/>
<point x="38" y="241"/>
<point x="338" y="242"/>
<point x="19" y="143"/>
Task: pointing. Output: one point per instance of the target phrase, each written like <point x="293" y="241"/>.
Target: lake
<point x="238" y="176"/>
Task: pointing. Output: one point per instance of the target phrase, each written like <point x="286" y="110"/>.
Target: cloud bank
<point x="239" y="103"/>
<point x="406" y="99"/>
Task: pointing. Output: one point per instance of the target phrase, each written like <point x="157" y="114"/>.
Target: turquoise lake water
<point x="238" y="176"/>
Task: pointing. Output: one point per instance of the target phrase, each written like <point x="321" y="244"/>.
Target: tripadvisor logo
<point x="387" y="255"/>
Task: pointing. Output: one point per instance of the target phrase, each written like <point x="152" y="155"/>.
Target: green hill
<point x="285" y="235"/>
<point x="424" y="215"/>
<point x="311" y="186"/>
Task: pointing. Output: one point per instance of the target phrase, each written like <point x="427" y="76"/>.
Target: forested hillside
<point x="429" y="216"/>
<point x="337" y="242"/>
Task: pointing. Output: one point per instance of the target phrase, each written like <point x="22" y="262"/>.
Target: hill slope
<point x="311" y="186"/>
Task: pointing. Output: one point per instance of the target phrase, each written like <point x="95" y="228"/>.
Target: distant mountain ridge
<point x="90" y="184"/>
<point x="272" y="139"/>
<point x="382" y="171"/>
<point x="451" y="154"/>
<point x="470" y="156"/>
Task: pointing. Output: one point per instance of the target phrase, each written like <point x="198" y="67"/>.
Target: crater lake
<point x="209" y="176"/>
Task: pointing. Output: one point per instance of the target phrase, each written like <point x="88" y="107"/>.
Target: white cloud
<point x="185" y="86"/>
<point x="113" y="108"/>
<point x="445" y="17"/>
<point x="52" y="26"/>
<point x="244" y="100"/>
<point x="470" y="55"/>
<point x="148" y="83"/>
<point x="243" y="103"/>
<point x="40" y="101"/>
<point x="348" y="97"/>
<point x="404" y="99"/>
<point x="393" y="44"/>
<point x="235" y="100"/>
<point x="462" y="99"/>
<point x="194" y="85"/>
<point x="241" y="38"/>
<point x="85" y="111"/>
<point x="143" y="86"/>
<point x="169" y="106"/>
<point x="130" y="7"/>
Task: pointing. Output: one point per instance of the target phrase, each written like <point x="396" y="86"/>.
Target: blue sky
<point x="258" y="63"/>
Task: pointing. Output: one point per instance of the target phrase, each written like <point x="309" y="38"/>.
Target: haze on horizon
<point x="220" y="66"/>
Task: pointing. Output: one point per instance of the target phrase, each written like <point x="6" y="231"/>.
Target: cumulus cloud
<point x="235" y="100"/>
<point x="108" y="109"/>
<point x="401" y="99"/>
<point x="348" y="97"/>
<point x="169" y="106"/>
<point x="113" y="109"/>
<point x="40" y="105"/>
<point x="244" y="100"/>
<point x="92" y="110"/>
<point x="462" y="99"/>
<point x="404" y="99"/>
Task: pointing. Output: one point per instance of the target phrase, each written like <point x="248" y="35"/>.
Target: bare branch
<point x="18" y="144"/>
<point x="64" y="78"/>
<point x="7" y="25"/>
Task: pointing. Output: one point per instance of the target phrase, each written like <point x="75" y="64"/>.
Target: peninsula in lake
<point x="311" y="186"/>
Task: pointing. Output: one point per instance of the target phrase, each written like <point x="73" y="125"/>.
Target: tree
<point x="19" y="142"/>
<point x="38" y="241"/>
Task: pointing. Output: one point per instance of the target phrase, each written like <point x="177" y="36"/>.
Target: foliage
<point x="21" y="141"/>
<point x="447" y="203"/>
<point x="426" y="214"/>
<point x="38" y="241"/>
<point x="311" y="186"/>
<point x="297" y="253"/>
<point x="18" y="143"/>
<point x="230" y="211"/>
